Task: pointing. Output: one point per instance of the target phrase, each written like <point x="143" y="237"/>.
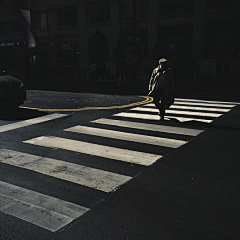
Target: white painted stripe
<point x="39" y="209"/>
<point x="204" y="101"/>
<point x="178" y="112"/>
<point x="197" y="103"/>
<point x="86" y="176"/>
<point x="29" y="122"/>
<point x="222" y="99"/>
<point x="96" y="150"/>
<point x="217" y="94"/>
<point x="204" y="104"/>
<point x="200" y="108"/>
<point x="149" y="127"/>
<point x="156" y="117"/>
<point x="159" y="141"/>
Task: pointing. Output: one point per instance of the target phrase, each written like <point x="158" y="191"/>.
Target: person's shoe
<point x="162" y="118"/>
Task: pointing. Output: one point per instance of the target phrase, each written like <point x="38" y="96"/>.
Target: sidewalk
<point x="127" y="88"/>
<point x="192" y="193"/>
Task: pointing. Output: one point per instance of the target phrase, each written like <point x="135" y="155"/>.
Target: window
<point x="187" y="31"/>
<point x="145" y="8"/>
<point x="175" y="40"/>
<point x="40" y="19"/>
<point x="221" y="39"/>
<point x="177" y="6"/>
<point x="67" y="16"/>
<point x="220" y="28"/>
<point x="17" y="27"/>
<point x="36" y="20"/>
<point x="137" y="45"/>
<point x="123" y="6"/>
<point x="3" y="28"/>
<point x="214" y="4"/>
<point x="44" y="19"/>
<point x="175" y="32"/>
<point x="209" y="29"/>
<point x="140" y="8"/>
<point x="98" y="11"/>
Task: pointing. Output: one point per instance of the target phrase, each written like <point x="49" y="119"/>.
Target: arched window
<point x="67" y="16"/>
<point x="98" y="48"/>
<point x="98" y="11"/>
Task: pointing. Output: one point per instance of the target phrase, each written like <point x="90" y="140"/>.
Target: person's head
<point x="163" y="63"/>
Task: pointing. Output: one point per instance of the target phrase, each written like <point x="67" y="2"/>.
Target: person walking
<point x="94" y="71"/>
<point x="161" y="86"/>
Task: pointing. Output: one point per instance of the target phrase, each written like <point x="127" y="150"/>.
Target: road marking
<point x="90" y="177"/>
<point x="205" y="101"/>
<point x="178" y="112"/>
<point x="156" y="117"/>
<point x="39" y="209"/>
<point x="147" y="100"/>
<point x="196" y="103"/>
<point x="96" y="150"/>
<point x="29" y="122"/>
<point x="200" y="108"/>
<point x="149" y="127"/>
<point x="158" y="141"/>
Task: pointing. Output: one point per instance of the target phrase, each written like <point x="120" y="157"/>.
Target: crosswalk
<point x="135" y="137"/>
<point x="223" y="95"/>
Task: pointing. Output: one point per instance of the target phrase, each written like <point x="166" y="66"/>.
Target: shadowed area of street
<point x="19" y="114"/>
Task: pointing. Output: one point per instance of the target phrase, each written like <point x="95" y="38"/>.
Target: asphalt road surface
<point x="64" y="155"/>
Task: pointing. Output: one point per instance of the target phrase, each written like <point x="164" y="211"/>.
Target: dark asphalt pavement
<point x="70" y="100"/>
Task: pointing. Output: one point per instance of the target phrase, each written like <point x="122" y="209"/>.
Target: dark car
<point x="12" y="92"/>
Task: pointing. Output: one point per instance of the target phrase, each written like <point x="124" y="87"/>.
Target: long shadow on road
<point x="19" y="114"/>
<point x="203" y="125"/>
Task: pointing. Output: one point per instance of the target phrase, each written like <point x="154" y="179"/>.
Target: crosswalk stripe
<point x="200" y="108"/>
<point x="124" y="155"/>
<point x="159" y="141"/>
<point x="149" y="127"/>
<point x="156" y="117"/>
<point x="39" y="209"/>
<point x="94" y="178"/>
<point x="196" y="108"/>
<point x="197" y="103"/>
<point x="178" y="112"/>
<point x="29" y="122"/>
<point x="205" y="101"/>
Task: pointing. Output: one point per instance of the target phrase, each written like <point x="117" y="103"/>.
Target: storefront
<point x="10" y="60"/>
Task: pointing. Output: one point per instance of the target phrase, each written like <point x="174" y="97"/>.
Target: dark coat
<point x="168" y="85"/>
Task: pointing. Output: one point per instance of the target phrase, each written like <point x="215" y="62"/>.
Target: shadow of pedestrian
<point x="200" y="124"/>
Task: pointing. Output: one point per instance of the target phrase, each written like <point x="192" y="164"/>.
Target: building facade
<point x="123" y="37"/>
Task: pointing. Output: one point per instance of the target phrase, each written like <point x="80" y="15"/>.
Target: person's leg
<point x="162" y="104"/>
<point x="162" y="108"/>
<point x="156" y="100"/>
